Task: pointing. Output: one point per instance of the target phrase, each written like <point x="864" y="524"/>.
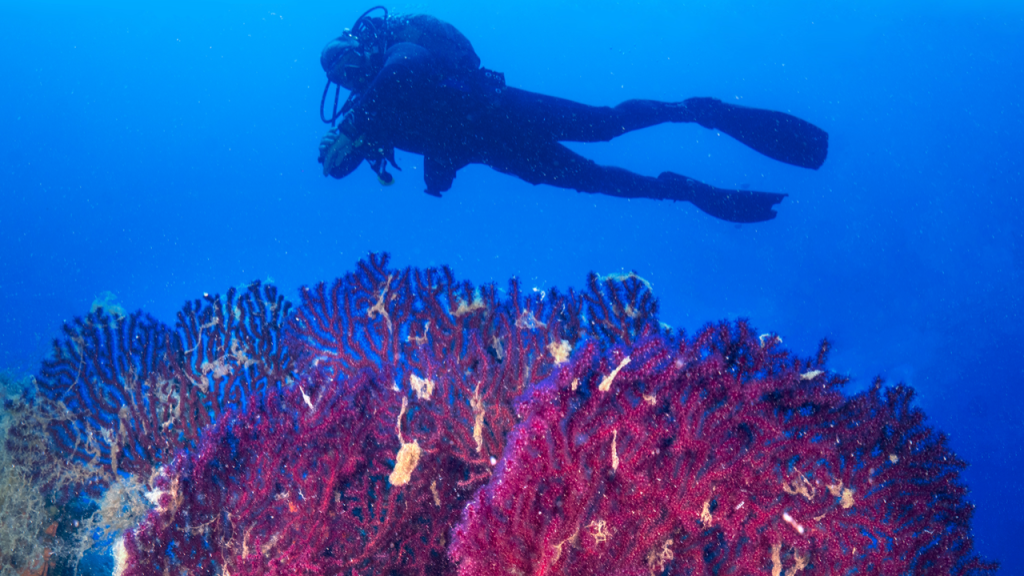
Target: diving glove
<point x="340" y="151"/>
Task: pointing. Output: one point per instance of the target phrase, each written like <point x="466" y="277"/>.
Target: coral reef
<point x="717" y="454"/>
<point x="250" y="500"/>
<point x="23" y="516"/>
<point x="123" y="506"/>
<point x="122" y="393"/>
<point x="406" y="422"/>
<point x="402" y="414"/>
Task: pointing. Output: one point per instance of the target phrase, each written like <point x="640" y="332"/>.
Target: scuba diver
<point x="416" y="84"/>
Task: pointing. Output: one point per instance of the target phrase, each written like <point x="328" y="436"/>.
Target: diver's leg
<point x="777" y="135"/>
<point x="564" y="120"/>
<point x="730" y="205"/>
<point x="556" y="165"/>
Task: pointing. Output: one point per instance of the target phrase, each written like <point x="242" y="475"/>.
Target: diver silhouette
<point x="416" y="84"/>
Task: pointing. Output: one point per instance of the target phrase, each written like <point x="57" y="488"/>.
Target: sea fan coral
<point x="443" y="362"/>
<point x="717" y="454"/>
<point x="121" y="394"/>
<point x="410" y="423"/>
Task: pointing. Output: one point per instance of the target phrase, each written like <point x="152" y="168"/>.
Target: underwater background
<point x="151" y="153"/>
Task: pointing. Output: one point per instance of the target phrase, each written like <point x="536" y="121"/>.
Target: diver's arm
<point x="372" y="118"/>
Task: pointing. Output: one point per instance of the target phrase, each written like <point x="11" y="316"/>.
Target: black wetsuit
<point x="431" y="98"/>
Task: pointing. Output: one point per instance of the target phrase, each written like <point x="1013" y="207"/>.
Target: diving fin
<point x="777" y="135"/>
<point x="741" y="206"/>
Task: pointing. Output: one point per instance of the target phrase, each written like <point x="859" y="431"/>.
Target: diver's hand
<point x="326" y="142"/>
<point x="334" y="147"/>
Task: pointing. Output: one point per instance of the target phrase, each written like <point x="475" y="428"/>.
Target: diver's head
<point x="353" y="59"/>
<point x="346" y="62"/>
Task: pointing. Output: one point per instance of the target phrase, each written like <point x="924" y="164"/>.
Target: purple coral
<point x="123" y="394"/>
<point x="292" y="485"/>
<point x="631" y="451"/>
<point x="443" y="362"/>
<point x="720" y="454"/>
<point x="107" y="389"/>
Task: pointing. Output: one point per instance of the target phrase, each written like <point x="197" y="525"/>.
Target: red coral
<point x="446" y="361"/>
<point x="646" y="453"/>
<point x="275" y="489"/>
<point x="713" y="455"/>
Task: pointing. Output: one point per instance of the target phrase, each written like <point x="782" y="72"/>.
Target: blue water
<point x="159" y="152"/>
